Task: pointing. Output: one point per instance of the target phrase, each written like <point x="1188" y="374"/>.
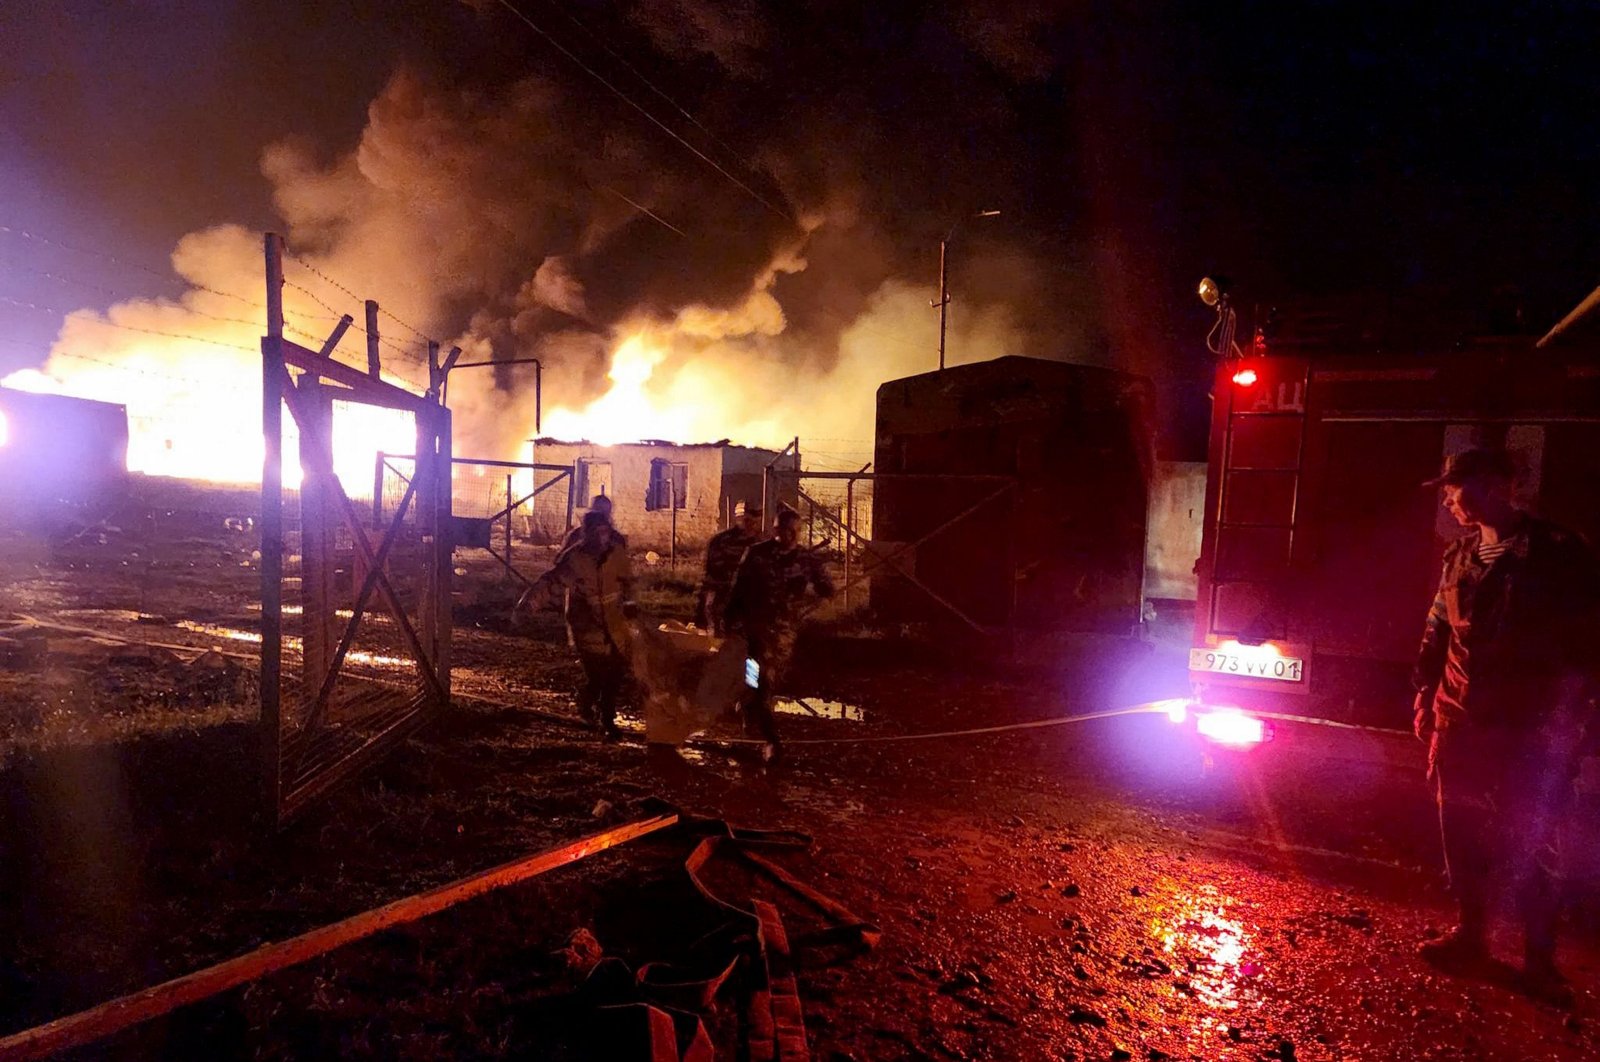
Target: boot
<point x="1465" y="947"/>
<point x="1543" y="980"/>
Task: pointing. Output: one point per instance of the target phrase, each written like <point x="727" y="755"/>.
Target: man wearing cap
<point x="597" y="579"/>
<point x="723" y="554"/>
<point x="1505" y="681"/>
<point x="766" y="606"/>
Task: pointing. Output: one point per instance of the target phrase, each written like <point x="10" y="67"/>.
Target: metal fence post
<point x="377" y="491"/>
<point x="849" y="522"/>
<point x="510" y="506"/>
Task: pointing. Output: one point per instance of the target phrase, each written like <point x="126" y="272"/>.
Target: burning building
<point x="664" y="493"/>
<point x="54" y="448"/>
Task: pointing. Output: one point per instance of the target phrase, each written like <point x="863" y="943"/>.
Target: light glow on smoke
<point x="188" y="369"/>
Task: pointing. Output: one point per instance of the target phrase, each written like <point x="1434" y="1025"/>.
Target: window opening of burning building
<point x="594" y="479"/>
<point x="669" y="485"/>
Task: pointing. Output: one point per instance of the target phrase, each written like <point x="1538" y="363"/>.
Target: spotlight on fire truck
<point x="1230" y="726"/>
<point x="1245" y="377"/>
<point x="1211" y="291"/>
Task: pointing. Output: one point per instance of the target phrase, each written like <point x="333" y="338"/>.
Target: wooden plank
<point x="86" y="1026"/>
<point x="444" y="566"/>
<point x="374" y="392"/>
<point x="332" y="342"/>
<point x="846" y="918"/>
<point x="314" y="412"/>
<point x="273" y="376"/>
<point x="373" y="367"/>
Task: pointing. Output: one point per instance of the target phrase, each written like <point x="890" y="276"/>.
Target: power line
<point x="124" y="327"/>
<point x="646" y="211"/>
<point x="658" y="123"/>
<point x="166" y="276"/>
<point x="123" y="366"/>
<point x="649" y="84"/>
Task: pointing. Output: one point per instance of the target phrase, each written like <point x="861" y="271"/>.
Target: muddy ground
<point x="1090" y="891"/>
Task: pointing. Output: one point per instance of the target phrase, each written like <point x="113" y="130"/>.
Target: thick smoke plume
<point x="661" y="301"/>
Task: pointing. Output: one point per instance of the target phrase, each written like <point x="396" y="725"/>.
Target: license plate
<point x="1279" y="668"/>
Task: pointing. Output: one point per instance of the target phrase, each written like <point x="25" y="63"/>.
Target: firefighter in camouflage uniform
<point x="1505" y="682"/>
<point x="767" y="606"/>
<point x="723" y="554"/>
<point x="597" y="579"/>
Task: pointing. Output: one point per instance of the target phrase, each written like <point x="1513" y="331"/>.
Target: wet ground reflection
<point x="291" y="643"/>
<point x="811" y="708"/>
<point x="1215" y="949"/>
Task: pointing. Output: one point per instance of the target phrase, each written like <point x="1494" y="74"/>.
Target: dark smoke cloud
<point x="494" y="192"/>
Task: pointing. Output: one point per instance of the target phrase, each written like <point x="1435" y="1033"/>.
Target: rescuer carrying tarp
<point x="766" y="607"/>
<point x="1505" y="682"/>
<point x="723" y="554"/>
<point x="597" y="577"/>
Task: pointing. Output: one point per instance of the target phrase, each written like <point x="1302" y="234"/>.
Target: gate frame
<point x="891" y="559"/>
<point x="324" y="505"/>
<point x="562" y="473"/>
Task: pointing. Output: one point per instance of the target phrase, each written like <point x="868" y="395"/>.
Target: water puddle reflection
<point x="292" y="643"/>
<point x="812" y="708"/>
<point x="1197" y="932"/>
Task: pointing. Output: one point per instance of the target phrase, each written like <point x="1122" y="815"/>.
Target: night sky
<point x="1305" y="150"/>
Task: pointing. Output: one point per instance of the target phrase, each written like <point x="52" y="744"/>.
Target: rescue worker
<point x="1504" y="683"/>
<point x="600" y="504"/>
<point x="766" y="606"/>
<point x="597" y="578"/>
<point x="723" y="554"/>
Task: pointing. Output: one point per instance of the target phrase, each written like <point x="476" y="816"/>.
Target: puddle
<point x="371" y="615"/>
<point x="1197" y="932"/>
<point x="813" y="708"/>
<point x="122" y="614"/>
<point x="290" y="642"/>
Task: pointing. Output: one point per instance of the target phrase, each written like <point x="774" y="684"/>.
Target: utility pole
<point x="943" y="302"/>
<point x="944" y="292"/>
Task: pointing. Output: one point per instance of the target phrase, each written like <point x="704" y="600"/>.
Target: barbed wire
<point x="124" y="366"/>
<point x="413" y="329"/>
<point x="78" y="315"/>
<point x="415" y="359"/>
<point x="168" y="275"/>
<point x="657" y="122"/>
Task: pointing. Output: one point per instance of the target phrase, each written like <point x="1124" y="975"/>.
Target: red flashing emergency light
<point x="1245" y="377"/>
<point x="1231" y="727"/>
<point x="1221" y="724"/>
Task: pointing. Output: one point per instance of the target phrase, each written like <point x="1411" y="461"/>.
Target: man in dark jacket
<point x="1504" y="684"/>
<point x="766" y="606"/>
<point x="723" y="554"/>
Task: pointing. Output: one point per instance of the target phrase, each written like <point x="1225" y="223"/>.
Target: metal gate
<point x="364" y="681"/>
<point x="951" y="512"/>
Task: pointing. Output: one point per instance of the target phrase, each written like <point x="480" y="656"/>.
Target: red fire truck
<point x="1321" y="547"/>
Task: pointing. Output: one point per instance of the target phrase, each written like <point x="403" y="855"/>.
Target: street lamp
<point x="943" y="302"/>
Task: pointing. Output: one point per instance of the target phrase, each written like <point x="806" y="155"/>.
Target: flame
<point x="205" y="425"/>
<point x="627" y="411"/>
